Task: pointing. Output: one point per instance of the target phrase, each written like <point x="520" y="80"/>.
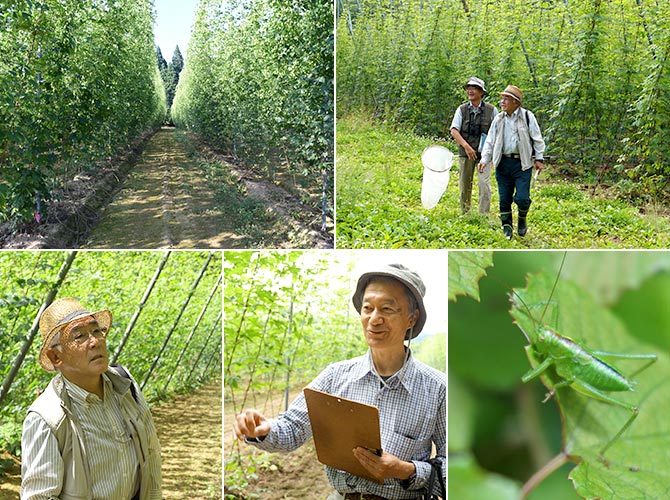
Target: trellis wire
<point x="141" y="305"/>
<point x="176" y="322"/>
<point x="18" y="360"/>
<point x="202" y="350"/>
<point x="195" y="327"/>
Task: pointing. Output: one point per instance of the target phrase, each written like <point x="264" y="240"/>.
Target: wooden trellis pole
<point x="176" y="322"/>
<point x="141" y="305"/>
<point x="195" y="327"/>
<point x="18" y="360"/>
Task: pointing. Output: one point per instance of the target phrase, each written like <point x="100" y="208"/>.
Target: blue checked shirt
<point x="412" y="417"/>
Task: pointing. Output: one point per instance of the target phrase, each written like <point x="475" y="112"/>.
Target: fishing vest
<point x="474" y="124"/>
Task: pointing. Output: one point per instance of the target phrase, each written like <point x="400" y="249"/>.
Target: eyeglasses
<point x="82" y="337"/>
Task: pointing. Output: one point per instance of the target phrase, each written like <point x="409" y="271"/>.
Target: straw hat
<point x="60" y="313"/>
<point x="477" y="82"/>
<point x="513" y="92"/>
<point x="407" y="277"/>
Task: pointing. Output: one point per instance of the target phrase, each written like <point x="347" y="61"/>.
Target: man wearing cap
<point x="472" y="121"/>
<point x="89" y="435"/>
<point x="513" y="141"/>
<point x="409" y="395"/>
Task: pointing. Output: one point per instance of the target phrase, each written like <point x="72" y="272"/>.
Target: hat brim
<point x="509" y="94"/>
<point x="103" y="317"/>
<point x="363" y="281"/>
<point x="465" y="87"/>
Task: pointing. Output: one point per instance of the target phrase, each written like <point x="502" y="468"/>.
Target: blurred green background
<point x="497" y="423"/>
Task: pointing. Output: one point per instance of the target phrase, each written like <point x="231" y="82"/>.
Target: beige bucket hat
<point x="476" y="82"/>
<point x="62" y="312"/>
<point x="513" y="91"/>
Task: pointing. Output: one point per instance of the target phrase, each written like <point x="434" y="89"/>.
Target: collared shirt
<point x="457" y="121"/>
<point x="412" y="417"/>
<point x="112" y="460"/>
<point x="511" y="135"/>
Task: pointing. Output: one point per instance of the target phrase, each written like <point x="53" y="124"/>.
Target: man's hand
<point x="539" y="165"/>
<point x="472" y="154"/>
<point x="481" y="167"/>
<point x="384" y="467"/>
<point x="250" y="424"/>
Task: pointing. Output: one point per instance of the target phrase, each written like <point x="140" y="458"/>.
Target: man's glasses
<point x="80" y="338"/>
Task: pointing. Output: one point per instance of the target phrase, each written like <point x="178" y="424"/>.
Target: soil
<point x="189" y="429"/>
<point x="290" y="476"/>
<point x="154" y="196"/>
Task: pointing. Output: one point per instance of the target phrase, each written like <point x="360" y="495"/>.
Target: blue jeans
<point x="510" y="177"/>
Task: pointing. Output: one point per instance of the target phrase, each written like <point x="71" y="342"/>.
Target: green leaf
<point x="465" y="271"/>
<point x="635" y="465"/>
<point x="593" y="270"/>
<point x="468" y="482"/>
<point x="461" y="415"/>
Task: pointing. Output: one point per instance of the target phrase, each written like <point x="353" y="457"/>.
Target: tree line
<point x="78" y="80"/>
<point x="596" y="73"/>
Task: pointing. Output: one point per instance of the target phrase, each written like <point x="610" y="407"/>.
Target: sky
<point x="174" y="20"/>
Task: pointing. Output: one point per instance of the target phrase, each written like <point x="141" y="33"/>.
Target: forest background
<point x="595" y="73"/>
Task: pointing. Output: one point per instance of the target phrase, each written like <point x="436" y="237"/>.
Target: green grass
<point x="378" y="184"/>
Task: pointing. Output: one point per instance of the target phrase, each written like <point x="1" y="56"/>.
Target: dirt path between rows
<point x="288" y="476"/>
<point x="165" y="203"/>
<point x="189" y="429"/>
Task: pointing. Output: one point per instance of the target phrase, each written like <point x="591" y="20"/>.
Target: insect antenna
<point x="537" y="323"/>
<point x="553" y="288"/>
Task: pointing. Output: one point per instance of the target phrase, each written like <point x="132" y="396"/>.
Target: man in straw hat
<point x="90" y="434"/>
<point x="409" y="395"/>
<point x="471" y="122"/>
<point x="513" y="140"/>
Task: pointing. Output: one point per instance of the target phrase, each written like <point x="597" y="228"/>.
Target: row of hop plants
<point x="78" y="81"/>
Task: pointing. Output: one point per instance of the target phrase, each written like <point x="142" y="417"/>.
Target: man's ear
<point x="54" y="356"/>
<point x="415" y="317"/>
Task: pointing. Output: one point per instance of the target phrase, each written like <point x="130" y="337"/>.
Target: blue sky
<point x="174" y="20"/>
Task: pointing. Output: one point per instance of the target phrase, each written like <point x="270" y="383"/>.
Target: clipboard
<point x="339" y="425"/>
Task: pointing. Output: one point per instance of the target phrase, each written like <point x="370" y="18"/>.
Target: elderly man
<point x="513" y="141"/>
<point x="90" y="434"/>
<point x="409" y="395"/>
<point x="471" y="122"/>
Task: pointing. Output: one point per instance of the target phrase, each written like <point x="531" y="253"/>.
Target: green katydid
<point x="579" y="367"/>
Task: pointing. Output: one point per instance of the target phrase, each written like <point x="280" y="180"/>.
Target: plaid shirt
<point x="412" y="416"/>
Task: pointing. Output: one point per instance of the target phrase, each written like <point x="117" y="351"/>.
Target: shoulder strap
<point x="122" y="372"/>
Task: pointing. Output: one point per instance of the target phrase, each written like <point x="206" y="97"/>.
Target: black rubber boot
<point x="523" y="227"/>
<point x="506" y="218"/>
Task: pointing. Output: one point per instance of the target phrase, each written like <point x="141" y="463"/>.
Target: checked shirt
<point x="412" y="414"/>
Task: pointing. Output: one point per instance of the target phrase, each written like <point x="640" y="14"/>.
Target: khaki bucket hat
<point x="513" y="92"/>
<point x="407" y="277"/>
<point x="62" y="312"/>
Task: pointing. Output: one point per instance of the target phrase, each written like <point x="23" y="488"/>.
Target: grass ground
<point x="378" y="187"/>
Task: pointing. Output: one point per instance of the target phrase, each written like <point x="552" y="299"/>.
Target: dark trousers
<point x="510" y="177"/>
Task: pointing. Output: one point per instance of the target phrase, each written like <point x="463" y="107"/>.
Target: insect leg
<point x="558" y="385"/>
<point x="617" y="355"/>
<point x="534" y="372"/>
<point x="592" y="392"/>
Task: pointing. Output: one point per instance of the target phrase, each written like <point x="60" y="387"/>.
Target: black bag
<point x="435" y="476"/>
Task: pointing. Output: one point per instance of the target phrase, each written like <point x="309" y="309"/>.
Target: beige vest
<point x="525" y="142"/>
<point x="54" y="407"/>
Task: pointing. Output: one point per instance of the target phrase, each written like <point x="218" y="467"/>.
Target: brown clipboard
<point x="339" y="425"/>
